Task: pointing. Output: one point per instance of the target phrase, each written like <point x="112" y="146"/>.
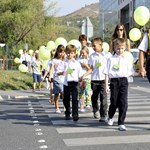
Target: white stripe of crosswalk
<point x="138" y="119"/>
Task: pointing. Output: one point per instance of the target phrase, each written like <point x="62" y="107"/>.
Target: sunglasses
<point x="119" y="29"/>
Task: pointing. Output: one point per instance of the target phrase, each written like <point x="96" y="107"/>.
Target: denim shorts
<point x="36" y="77"/>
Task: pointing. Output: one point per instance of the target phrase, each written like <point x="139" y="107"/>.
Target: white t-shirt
<point x="98" y="61"/>
<point x="118" y="66"/>
<point x="73" y="71"/>
<point x="144" y="43"/>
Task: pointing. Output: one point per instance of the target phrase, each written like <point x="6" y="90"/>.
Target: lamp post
<point x="103" y="21"/>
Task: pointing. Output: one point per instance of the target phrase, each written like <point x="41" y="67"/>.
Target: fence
<point x="8" y="64"/>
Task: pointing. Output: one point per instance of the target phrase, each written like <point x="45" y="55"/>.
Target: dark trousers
<point x="98" y="88"/>
<point x="71" y="90"/>
<point x="148" y="74"/>
<point x="118" y="98"/>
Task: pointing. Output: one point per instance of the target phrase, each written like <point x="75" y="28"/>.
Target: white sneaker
<point x="110" y="122"/>
<point x="82" y="110"/>
<point x="88" y="107"/>
<point x="122" y="127"/>
<point x="58" y="111"/>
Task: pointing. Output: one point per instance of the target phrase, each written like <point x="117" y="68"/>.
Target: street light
<point x="103" y="24"/>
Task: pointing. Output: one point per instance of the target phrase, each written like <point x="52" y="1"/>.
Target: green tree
<point x="26" y="22"/>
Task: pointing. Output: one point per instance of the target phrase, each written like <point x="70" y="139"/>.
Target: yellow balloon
<point x="59" y="41"/>
<point x="23" y="68"/>
<point x="141" y="15"/>
<point x="44" y="64"/>
<point x="44" y="54"/>
<point x="17" y="60"/>
<point x="50" y="45"/>
<point x="30" y="51"/>
<point x="105" y="46"/>
<point x="21" y="51"/>
<point x="135" y="34"/>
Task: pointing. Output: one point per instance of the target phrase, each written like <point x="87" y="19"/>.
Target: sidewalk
<point x="14" y="94"/>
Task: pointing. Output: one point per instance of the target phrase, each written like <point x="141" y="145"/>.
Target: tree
<point x="25" y="22"/>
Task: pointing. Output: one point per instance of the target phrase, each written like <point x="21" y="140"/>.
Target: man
<point x="144" y="53"/>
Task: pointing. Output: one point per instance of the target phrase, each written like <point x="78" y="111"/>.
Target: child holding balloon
<point x="55" y="69"/>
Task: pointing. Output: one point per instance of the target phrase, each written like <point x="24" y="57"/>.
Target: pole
<point x="103" y="26"/>
<point x="6" y="56"/>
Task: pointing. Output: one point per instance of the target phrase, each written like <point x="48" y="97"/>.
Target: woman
<point x="120" y="32"/>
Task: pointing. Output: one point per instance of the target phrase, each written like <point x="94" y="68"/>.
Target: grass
<point x="15" y="80"/>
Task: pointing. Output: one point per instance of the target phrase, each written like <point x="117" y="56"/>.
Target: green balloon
<point x="50" y="45"/>
<point x="59" y="41"/>
<point x="17" y="61"/>
<point x="44" y="54"/>
<point x="30" y="51"/>
<point x="135" y="34"/>
<point x="44" y="64"/>
<point x="141" y="15"/>
<point x="23" y="68"/>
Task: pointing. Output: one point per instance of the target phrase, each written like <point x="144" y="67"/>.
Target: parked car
<point x="135" y="53"/>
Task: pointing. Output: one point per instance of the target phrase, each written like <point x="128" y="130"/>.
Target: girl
<point x="85" y="84"/>
<point x="46" y="75"/>
<point x="55" y="69"/>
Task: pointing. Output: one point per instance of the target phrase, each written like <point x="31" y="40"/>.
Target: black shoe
<point x="103" y="119"/>
<point x="67" y="117"/>
<point x="75" y="117"/>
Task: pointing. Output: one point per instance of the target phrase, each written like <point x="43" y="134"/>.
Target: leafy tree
<point x="26" y="22"/>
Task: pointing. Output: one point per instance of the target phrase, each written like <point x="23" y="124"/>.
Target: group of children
<point x="86" y="77"/>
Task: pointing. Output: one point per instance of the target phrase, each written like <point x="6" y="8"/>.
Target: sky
<point x="68" y="6"/>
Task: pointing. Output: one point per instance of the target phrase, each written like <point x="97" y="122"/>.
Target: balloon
<point x="59" y="41"/>
<point x="129" y="56"/>
<point x="77" y="44"/>
<point x="105" y="46"/>
<point x="44" y="64"/>
<point x="17" y="60"/>
<point x="44" y="54"/>
<point x="21" y="51"/>
<point x="135" y="34"/>
<point x="23" y="68"/>
<point x="50" y="45"/>
<point x="30" y="51"/>
<point x="141" y="15"/>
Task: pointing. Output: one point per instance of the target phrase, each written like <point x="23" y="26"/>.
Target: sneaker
<point x="96" y="116"/>
<point x="67" y="117"/>
<point x="122" y="127"/>
<point x="75" y="117"/>
<point x="58" y="111"/>
<point x="88" y="107"/>
<point x="82" y="109"/>
<point x="110" y="122"/>
<point x="103" y="119"/>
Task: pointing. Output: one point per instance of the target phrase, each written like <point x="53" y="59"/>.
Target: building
<point x="122" y="11"/>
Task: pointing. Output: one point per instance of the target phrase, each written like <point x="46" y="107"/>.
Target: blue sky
<point x="67" y="6"/>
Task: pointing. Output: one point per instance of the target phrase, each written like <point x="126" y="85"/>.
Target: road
<point x="31" y="124"/>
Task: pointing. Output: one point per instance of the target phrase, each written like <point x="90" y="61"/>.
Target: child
<point x="97" y="63"/>
<point x="85" y="84"/>
<point x="72" y="73"/>
<point x="118" y="69"/>
<point x="46" y="75"/>
<point x="36" y="72"/>
<point x="55" y="68"/>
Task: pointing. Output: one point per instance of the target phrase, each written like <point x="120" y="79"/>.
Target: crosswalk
<point x="90" y="132"/>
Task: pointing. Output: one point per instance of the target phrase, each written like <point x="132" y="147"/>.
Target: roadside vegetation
<point x="15" y="80"/>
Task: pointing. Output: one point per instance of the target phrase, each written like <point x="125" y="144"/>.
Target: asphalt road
<point x="31" y="124"/>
